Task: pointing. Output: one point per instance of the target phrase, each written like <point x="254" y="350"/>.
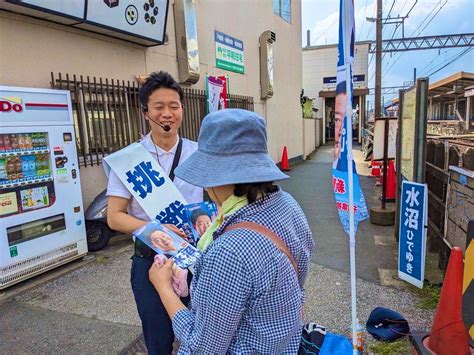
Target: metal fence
<point x="107" y="115"/>
<point x="440" y="154"/>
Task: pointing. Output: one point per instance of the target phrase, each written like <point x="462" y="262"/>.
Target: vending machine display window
<point x="26" y="198"/>
<point x="25" y="173"/>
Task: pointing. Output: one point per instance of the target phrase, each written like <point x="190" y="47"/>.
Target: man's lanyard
<point x="177" y="156"/>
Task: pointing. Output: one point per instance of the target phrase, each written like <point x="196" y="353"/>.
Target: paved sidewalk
<point x="311" y="185"/>
<point x="90" y="308"/>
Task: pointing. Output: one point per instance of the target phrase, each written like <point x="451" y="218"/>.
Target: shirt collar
<point x="161" y="151"/>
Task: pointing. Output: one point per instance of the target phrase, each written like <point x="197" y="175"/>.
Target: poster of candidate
<point x="343" y="127"/>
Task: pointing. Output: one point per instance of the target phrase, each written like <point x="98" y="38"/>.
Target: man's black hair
<point x="198" y="213"/>
<point x="157" y="81"/>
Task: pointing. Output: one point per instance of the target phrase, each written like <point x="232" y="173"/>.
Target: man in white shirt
<point x="161" y="98"/>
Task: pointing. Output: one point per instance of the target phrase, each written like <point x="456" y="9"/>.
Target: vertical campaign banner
<point x="214" y="88"/>
<point x="412" y="232"/>
<point x="224" y="99"/>
<point x="148" y="183"/>
<point x="216" y="93"/>
<point x="343" y="129"/>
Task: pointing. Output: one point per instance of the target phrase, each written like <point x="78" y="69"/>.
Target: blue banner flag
<point x="343" y="160"/>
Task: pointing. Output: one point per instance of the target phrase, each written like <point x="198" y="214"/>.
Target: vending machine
<point x="41" y="212"/>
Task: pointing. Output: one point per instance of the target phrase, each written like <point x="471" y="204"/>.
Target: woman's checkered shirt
<point x="245" y="296"/>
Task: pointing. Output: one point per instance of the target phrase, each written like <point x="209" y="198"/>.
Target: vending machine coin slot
<point x="74" y="173"/>
<point x="67" y="137"/>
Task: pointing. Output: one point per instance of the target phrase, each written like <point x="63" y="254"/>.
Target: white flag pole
<point x="347" y="14"/>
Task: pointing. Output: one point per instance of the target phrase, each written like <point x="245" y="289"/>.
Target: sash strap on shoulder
<point x="269" y="234"/>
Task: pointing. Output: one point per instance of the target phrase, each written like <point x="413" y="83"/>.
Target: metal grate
<point x="16" y="272"/>
<point x="107" y="115"/>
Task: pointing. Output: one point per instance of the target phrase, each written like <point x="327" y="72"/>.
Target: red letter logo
<point x="17" y="108"/>
<point x="5" y="106"/>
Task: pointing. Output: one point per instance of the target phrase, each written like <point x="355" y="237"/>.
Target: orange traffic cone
<point x="390" y="192"/>
<point x="448" y="333"/>
<point x="375" y="168"/>
<point x="284" y="165"/>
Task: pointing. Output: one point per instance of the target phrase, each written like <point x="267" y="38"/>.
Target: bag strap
<point x="177" y="156"/>
<point x="269" y="234"/>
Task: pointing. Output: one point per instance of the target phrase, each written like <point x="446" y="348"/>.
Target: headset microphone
<point x="166" y="127"/>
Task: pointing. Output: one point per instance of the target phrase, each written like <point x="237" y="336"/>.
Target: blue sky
<point x="452" y="16"/>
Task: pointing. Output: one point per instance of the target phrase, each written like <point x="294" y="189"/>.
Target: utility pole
<point x="378" y="61"/>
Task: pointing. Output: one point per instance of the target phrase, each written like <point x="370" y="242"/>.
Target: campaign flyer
<point x="200" y="216"/>
<point x="165" y="242"/>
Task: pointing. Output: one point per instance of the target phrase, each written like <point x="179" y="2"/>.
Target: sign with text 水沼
<point x="412" y="232"/>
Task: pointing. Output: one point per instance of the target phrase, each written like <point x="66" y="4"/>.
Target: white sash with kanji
<point x="148" y="183"/>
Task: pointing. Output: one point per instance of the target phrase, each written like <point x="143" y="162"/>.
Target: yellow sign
<point x="8" y="203"/>
<point x="468" y="281"/>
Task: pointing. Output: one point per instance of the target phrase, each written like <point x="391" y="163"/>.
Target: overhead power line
<point x="414" y="32"/>
<point x="462" y="54"/>
<point x="441" y="7"/>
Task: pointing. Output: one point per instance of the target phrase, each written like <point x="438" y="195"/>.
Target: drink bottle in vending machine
<point x="3" y="170"/>
<point x="6" y="142"/>
<point x="28" y="141"/>
<point x="18" y="169"/>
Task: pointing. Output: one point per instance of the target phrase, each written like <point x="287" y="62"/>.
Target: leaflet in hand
<point x="165" y="242"/>
<point x="200" y="216"/>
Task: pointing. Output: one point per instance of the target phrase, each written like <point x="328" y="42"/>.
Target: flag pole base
<point x="382" y="217"/>
<point x="419" y="341"/>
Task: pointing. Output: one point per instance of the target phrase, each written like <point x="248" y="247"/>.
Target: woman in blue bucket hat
<point x="247" y="292"/>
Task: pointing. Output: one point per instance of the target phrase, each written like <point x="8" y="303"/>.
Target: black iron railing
<point x="107" y="115"/>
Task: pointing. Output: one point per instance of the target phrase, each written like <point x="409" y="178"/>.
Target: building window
<point x="282" y="8"/>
